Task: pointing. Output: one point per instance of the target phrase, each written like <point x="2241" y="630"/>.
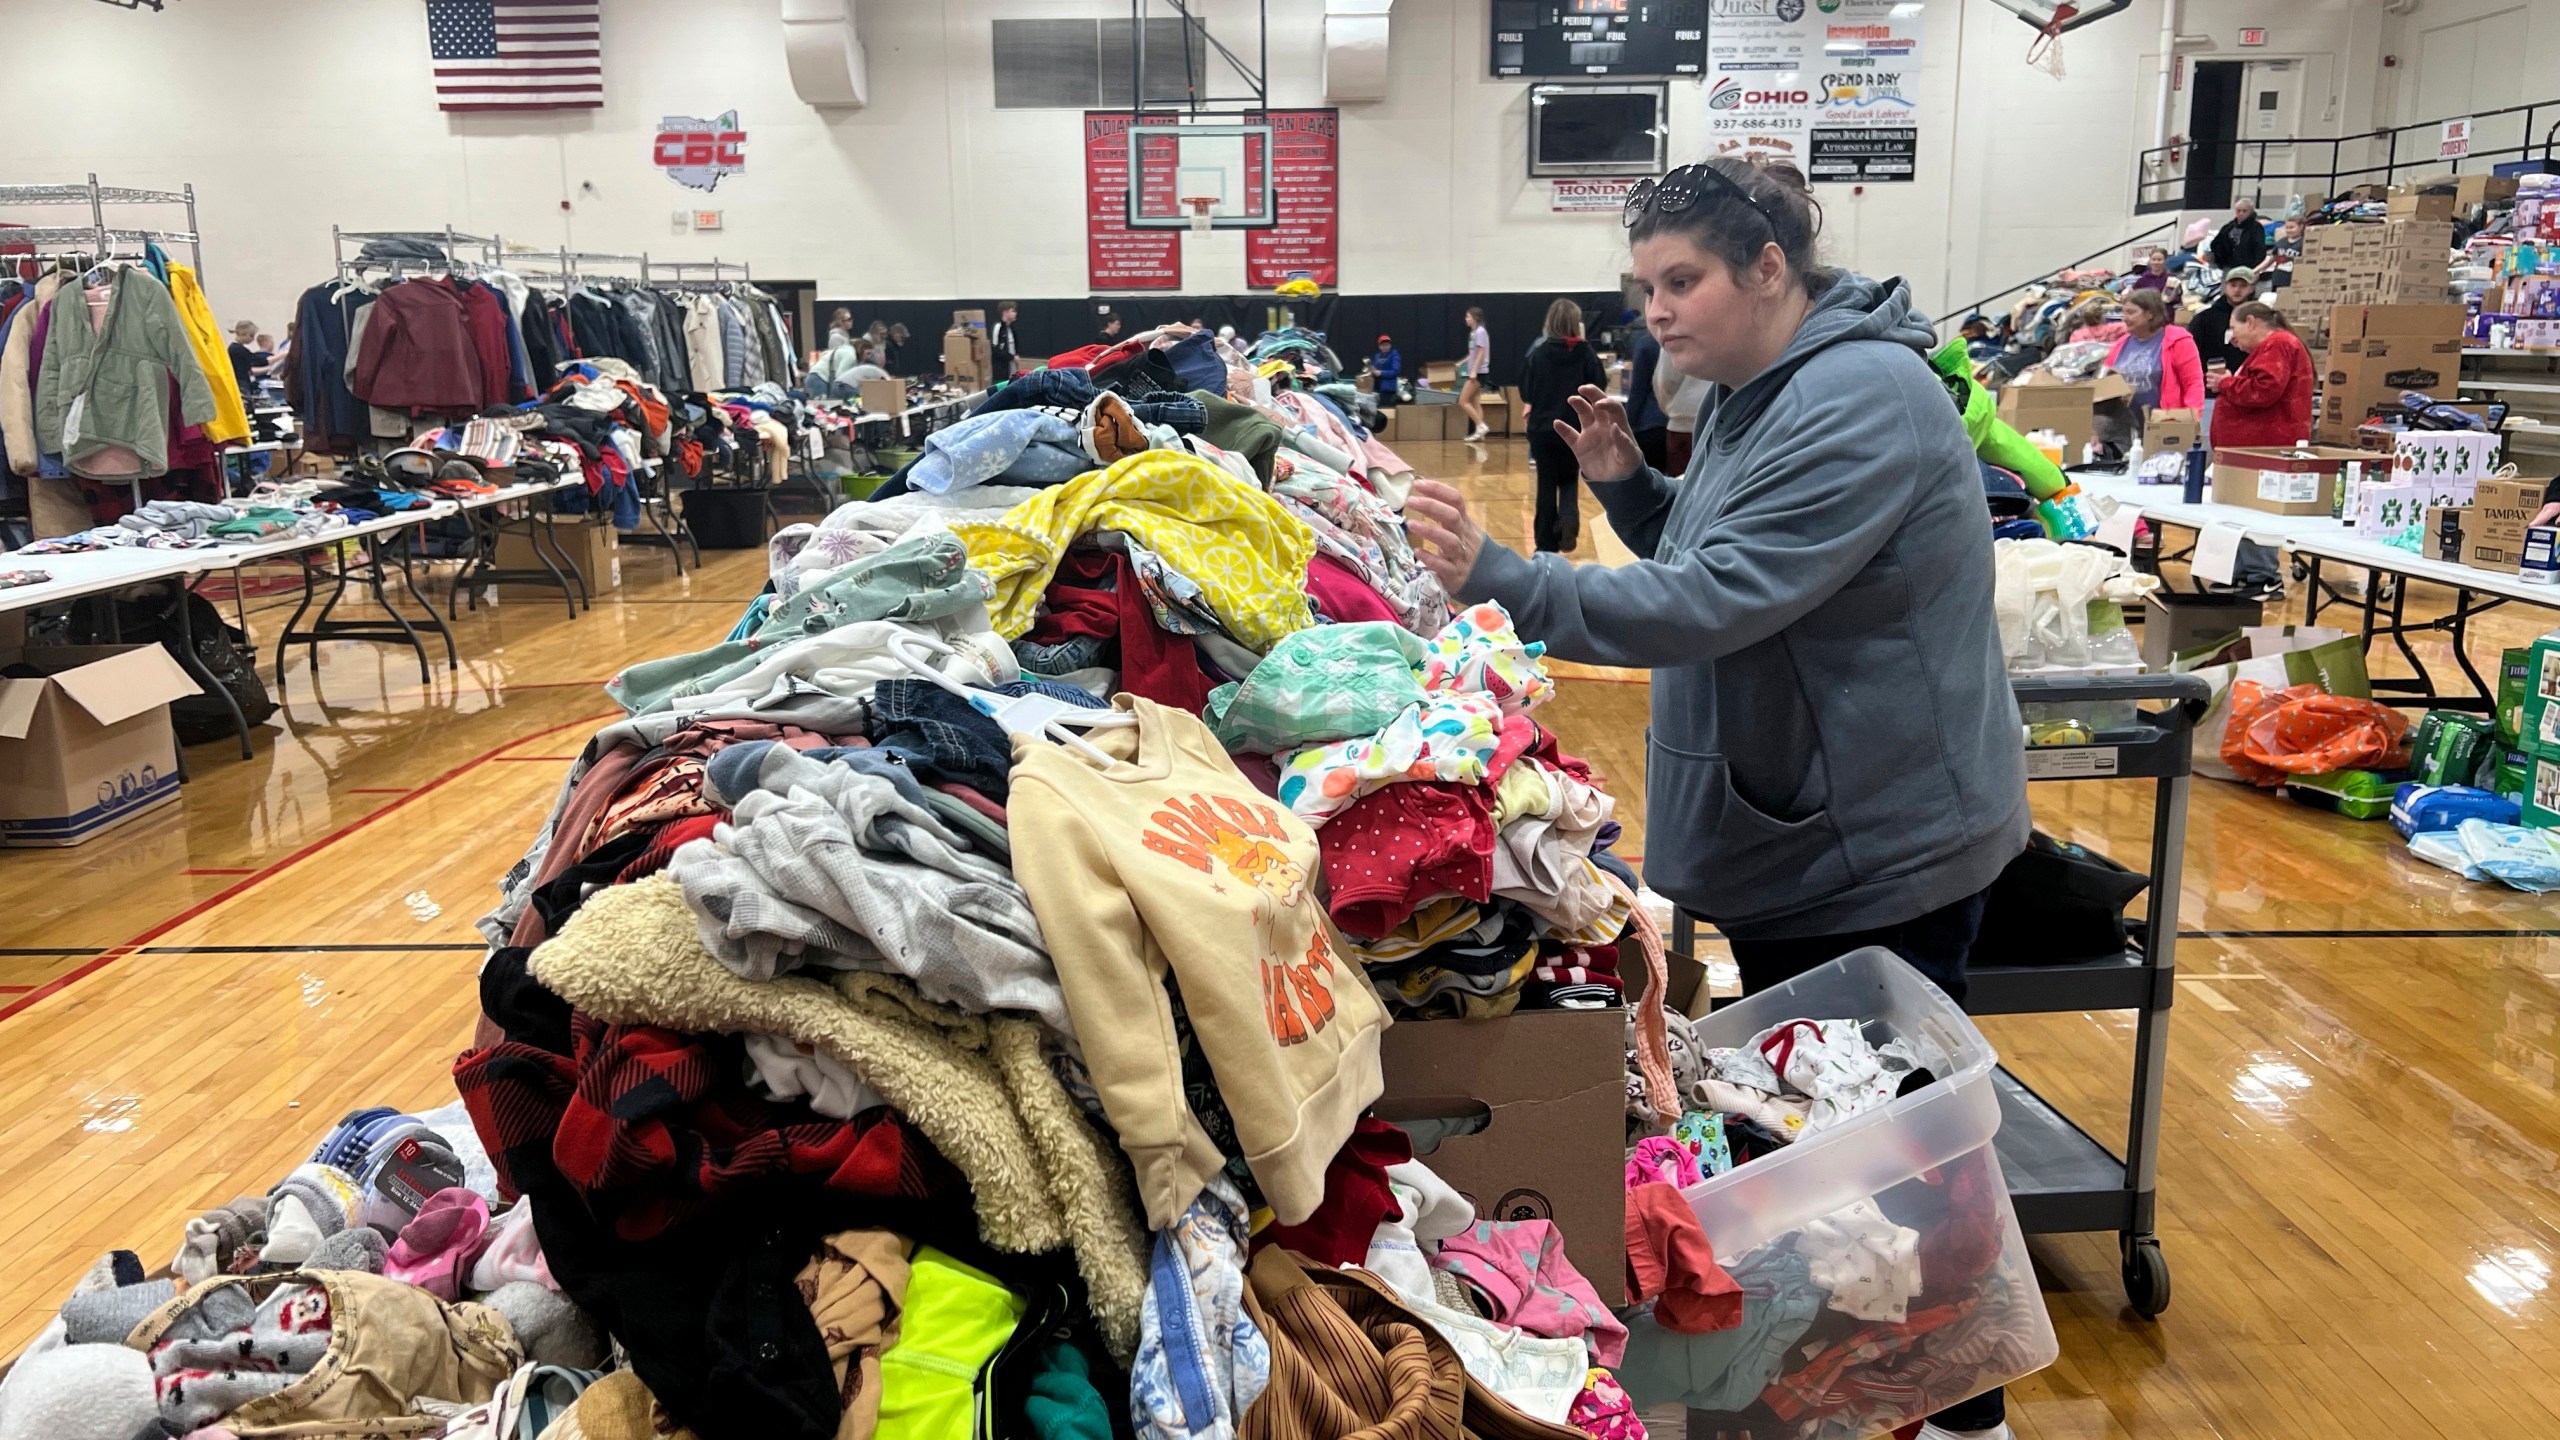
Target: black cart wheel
<point x="2146" y="1275"/>
<point x="2301" y="569"/>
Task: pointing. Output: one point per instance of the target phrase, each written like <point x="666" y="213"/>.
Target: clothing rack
<point x="680" y="280"/>
<point x="103" y="239"/>
<point x="452" y="241"/>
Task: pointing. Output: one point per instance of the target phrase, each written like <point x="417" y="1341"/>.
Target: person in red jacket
<point x="2268" y="400"/>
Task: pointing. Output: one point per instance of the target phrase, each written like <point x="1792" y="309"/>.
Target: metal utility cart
<point x="2061" y="1178"/>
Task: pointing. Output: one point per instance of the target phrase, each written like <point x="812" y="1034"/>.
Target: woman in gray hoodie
<point x="1834" y="760"/>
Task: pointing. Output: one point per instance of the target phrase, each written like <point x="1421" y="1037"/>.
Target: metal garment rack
<point x="103" y="239"/>
<point x="452" y="241"/>
<point x="681" y="278"/>
<point x="2061" y="1178"/>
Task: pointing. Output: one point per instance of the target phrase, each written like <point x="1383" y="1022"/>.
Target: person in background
<point x="897" y="349"/>
<point x="839" y="327"/>
<point x="1559" y="366"/>
<point x="1110" y="329"/>
<point x="2281" y="253"/>
<point x="1001" y="343"/>
<point x="1681" y="398"/>
<point x="839" y="373"/>
<point x="1645" y="414"/>
<point x="1471" y="372"/>
<point x="2155" y="276"/>
<point x="2241" y="244"/>
<point x="1833" y="761"/>
<point x="2212" y="325"/>
<point x="1386" y="371"/>
<point x="244" y="360"/>
<point x="2157" y="358"/>
<point x="875" y="345"/>
<point x="2267" y="401"/>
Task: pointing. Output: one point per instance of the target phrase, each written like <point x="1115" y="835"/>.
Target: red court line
<point x="15" y="989"/>
<point x="63" y="982"/>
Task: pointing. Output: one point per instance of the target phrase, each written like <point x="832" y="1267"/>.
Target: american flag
<point x="516" y="54"/>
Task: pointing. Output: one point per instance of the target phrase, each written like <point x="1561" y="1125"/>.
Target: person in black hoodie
<point x="2241" y="244"/>
<point x="1559" y="365"/>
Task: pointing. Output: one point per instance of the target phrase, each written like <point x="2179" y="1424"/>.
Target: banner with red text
<point x="1306" y="173"/>
<point x="1117" y="257"/>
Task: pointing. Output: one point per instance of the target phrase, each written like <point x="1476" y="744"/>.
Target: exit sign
<point x="2253" y="36"/>
<point x="706" y="219"/>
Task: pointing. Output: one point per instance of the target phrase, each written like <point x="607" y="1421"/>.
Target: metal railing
<point x="2372" y="155"/>
<point x="1954" y="315"/>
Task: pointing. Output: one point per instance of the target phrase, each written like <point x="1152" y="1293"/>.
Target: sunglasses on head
<point x="1683" y="188"/>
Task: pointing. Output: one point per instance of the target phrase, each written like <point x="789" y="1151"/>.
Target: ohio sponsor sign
<point x="695" y="153"/>
<point x="1591" y="197"/>
<point x="1780" y="70"/>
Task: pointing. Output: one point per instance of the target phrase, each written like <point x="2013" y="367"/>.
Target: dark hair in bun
<point x="1780" y="210"/>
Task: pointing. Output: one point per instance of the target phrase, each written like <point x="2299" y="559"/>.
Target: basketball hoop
<point x="1200" y="205"/>
<point x="2045" y="51"/>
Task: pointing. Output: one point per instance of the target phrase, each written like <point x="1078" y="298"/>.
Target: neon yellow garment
<point x="230" y="418"/>
<point x="1993" y="440"/>
<point x="956" y="1319"/>
<point x="1248" y="556"/>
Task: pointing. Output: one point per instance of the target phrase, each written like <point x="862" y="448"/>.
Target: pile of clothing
<point x="127" y="386"/>
<point x="927" y="1011"/>
<point x="1840" y="1327"/>
<point x="381" y="1287"/>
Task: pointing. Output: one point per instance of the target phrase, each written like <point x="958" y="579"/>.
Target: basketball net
<point x="1200" y="212"/>
<point x="2045" y="51"/>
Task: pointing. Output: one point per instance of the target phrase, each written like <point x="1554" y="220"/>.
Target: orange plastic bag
<point x="2305" y="730"/>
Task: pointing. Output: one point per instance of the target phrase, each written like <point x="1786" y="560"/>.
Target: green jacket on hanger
<point x="116" y="377"/>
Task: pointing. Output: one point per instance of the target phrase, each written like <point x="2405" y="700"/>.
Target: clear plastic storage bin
<point x="1851" y="1326"/>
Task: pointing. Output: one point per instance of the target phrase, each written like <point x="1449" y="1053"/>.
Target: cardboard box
<point x="2538" y="726"/>
<point x="2443" y="537"/>
<point x="2037" y="401"/>
<point x="2470" y="190"/>
<point x="1443" y="374"/>
<point x="2350" y="324"/>
<point x="884" y="397"/>
<point x="2484" y="550"/>
<point x="968" y="319"/>
<point x="2542" y="790"/>
<point x="88" y="747"/>
<point x="2449" y="462"/>
<point x="2167" y="430"/>
<point x="1499" y="417"/>
<point x="2175" y="622"/>
<point x="588" y="545"/>
<point x="2354" y="386"/>
<point x="2501" y="511"/>
<point x="2280" y="480"/>
<point x="2406" y="204"/>
<point x="1428" y="422"/>
<point x="1550" y="1086"/>
<point x="964" y="346"/>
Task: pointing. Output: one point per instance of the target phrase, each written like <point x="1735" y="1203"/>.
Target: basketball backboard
<point x="2039" y="13"/>
<point x="1171" y="166"/>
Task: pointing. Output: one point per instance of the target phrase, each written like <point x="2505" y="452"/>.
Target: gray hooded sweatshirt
<point x="1834" y="744"/>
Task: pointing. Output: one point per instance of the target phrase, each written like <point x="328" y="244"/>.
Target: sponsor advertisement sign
<point x="1806" y="81"/>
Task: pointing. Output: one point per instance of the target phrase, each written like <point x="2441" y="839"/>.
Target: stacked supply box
<point x="2540" y="733"/>
<point x="2415" y="262"/>
<point x="2501" y="508"/>
<point x="2376" y="353"/>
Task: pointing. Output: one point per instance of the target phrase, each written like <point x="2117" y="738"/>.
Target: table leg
<point x="2311" y="602"/>
<point x="284" y="637"/>
<point x="407" y="541"/>
<point x="203" y="674"/>
<point x="540" y="532"/>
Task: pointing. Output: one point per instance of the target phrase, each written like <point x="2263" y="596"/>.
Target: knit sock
<point x="309" y="1205"/>
<point x="112" y="1269"/>
<point x="407" y="1167"/>
<point x="215" y="1236"/>
<point x="105" y="1317"/>
<point x="437" y="1248"/>
<point x="358" y="1247"/>
<point x="550" y="1326"/>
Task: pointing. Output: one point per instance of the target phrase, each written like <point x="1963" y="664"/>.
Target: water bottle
<point x="2196" y="466"/>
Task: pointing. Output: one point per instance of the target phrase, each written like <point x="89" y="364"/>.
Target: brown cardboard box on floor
<point x="590" y="545"/>
<point x="1552" y="1087"/>
<point x="2037" y="401"/>
<point x="1427" y="422"/>
<point x="88" y="747"/>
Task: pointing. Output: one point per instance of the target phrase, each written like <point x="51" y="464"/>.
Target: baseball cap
<point x="1386" y="339"/>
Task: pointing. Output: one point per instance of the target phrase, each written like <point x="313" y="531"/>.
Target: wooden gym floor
<point x="2360" y="1177"/>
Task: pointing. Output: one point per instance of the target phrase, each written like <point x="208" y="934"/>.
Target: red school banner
<point x="1118" y="258"/>
<point x="1306" y="171"/>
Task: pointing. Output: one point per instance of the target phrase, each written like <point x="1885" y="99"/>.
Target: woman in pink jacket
<point x="2156" y="358"/>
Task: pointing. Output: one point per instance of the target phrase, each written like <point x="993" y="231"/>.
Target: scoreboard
<point x="1592" y="39"/>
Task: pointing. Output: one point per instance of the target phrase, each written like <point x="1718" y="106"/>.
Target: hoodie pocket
<point x="1716" y="853"/>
